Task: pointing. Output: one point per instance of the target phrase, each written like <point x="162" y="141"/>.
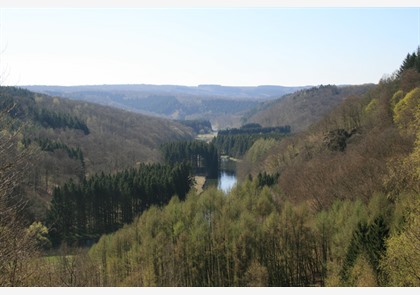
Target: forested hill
<point x="74" y="139"/>
<point x="262" y="92"/>
<point x="222" y="105"/>
<point x="302" y="108"/>
<point x="335" y="205"/>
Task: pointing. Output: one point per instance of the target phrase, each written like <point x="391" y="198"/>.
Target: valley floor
<point x="199" y="183"/>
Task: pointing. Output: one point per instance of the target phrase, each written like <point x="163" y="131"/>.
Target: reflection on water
<point x="227" y="181"/>
<point x="227" y="175"/>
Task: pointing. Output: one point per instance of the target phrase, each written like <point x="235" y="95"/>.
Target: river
<point x="226" y="181"/>
<point x="227" y="175"/>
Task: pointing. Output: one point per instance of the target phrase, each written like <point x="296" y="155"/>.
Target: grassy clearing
<point x="199" y="183"/>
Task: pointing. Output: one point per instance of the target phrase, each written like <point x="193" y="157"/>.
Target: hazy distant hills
<point x="302" y="108"/>
<point x="222" y="105"/>
<point x="243" y="92"/>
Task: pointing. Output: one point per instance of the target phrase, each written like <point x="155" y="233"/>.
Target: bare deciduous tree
<point x="17" y="245"/>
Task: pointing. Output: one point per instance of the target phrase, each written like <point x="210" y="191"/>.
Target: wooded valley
<point x="91" y="195"/>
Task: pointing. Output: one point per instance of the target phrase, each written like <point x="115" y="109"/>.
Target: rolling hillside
<point x="334" y="205"/>
<point x="73" y="139"/>
<point x="302" y="108"/>
<point x="222" y="105"/>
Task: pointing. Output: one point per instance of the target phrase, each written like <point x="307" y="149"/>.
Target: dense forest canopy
<point x="79" y="139"/>
<point x="235" y="142"/>
<point x="202" y="157"/>
<point x="336" y="204"/>
<point x="345" y="196"/>
<point x="81" y="213"/>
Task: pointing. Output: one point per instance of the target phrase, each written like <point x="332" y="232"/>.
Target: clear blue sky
<point x="227" y="46"/>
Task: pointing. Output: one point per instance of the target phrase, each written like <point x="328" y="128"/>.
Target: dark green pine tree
<point x="375" y="246"/>
<point x="417" y="62"/>
<point x="411" y="61"/>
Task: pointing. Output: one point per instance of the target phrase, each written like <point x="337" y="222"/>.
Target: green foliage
<point x="103" y="203"/>
<point x="334" y="227"/>
<point x="60" y="120"/>
<point x="412" y="61"/>
<point x="329" y="222"/>
<point x="373" y="105"/>
<point x="201" y="156"/>
<point x="243" y="239"/>
<point x="117" y="140"/>
<point x="396" y="98"/>
<point x="49" y="145"/>
<point x="370" y="241"/>
<point x="266" y="179"/>
<point x="406" y="109"/>
<point x="236" y="142"/>
<point x="258" y="150"/>
<point x="40" y="233"/>
<point x="253" y="128"/>
<point x="402" y="259"/>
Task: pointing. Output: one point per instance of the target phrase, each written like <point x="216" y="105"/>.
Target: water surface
<point x="227" y="180"/>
